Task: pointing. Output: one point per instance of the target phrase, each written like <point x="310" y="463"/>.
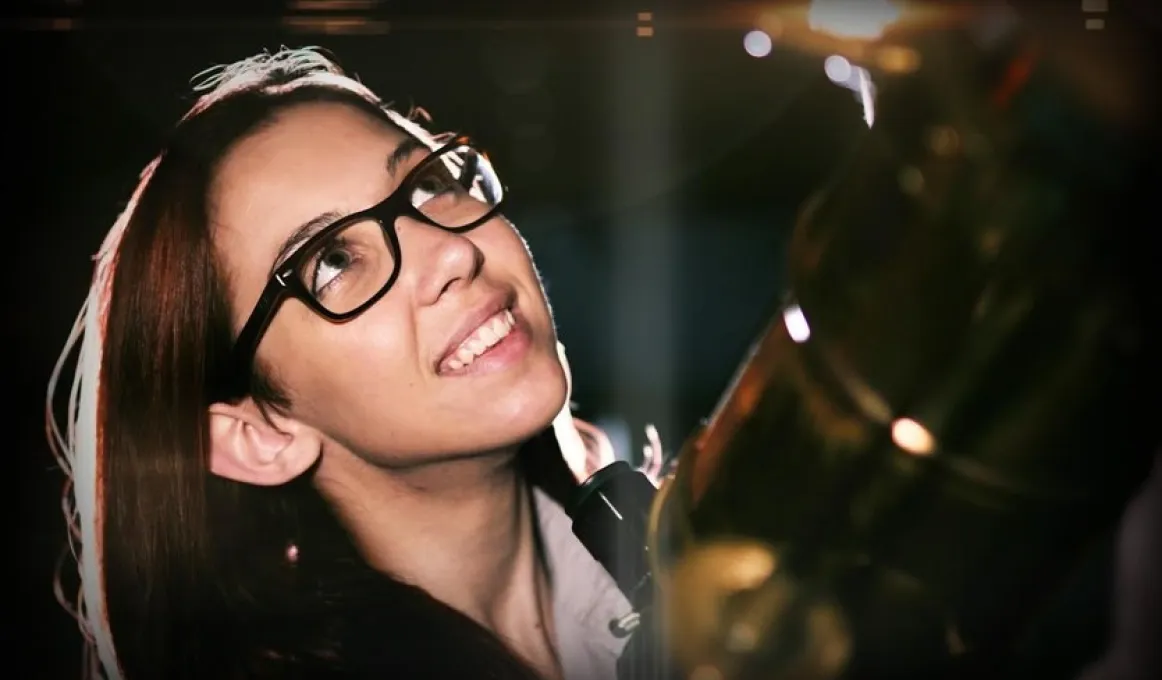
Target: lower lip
<point x="510" y="350"/>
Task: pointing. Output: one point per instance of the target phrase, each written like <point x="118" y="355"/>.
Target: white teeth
<point x="488" y="334"/>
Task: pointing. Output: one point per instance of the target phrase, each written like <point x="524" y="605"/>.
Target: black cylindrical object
<point x="609" y="513"/>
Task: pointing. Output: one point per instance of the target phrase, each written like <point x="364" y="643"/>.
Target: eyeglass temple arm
<point x="259" y="319"/>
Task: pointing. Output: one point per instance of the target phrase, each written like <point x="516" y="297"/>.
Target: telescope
<point x="941" y="416"/>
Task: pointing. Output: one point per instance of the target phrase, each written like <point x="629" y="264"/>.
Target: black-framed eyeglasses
<point x="351" y="263"/>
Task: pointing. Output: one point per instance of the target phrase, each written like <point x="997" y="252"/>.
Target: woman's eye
<point x="432" y="185"/>
<point x="330" y="265"/>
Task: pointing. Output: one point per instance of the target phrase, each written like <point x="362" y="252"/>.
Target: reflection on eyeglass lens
<point x="456" y="188"/>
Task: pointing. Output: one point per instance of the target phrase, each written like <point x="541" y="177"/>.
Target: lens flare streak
<point x="859" y="20"/>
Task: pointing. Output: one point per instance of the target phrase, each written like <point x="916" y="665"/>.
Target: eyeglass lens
<point x="353" y="263"/>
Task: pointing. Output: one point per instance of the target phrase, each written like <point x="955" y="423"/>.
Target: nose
<point x="436" y="260"/>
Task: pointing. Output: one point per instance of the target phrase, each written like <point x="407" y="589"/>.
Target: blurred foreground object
<point x="946" y="411"/>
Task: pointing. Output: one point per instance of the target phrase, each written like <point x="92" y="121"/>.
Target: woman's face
<point x="390" y="385"/>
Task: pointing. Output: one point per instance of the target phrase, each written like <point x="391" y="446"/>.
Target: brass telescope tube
<point x="942" y="414"/>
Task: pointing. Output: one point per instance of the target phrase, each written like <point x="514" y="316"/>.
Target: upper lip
<point x="492" y="305"/>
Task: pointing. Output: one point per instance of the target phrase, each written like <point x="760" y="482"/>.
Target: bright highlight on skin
<point x="757" y="43"/>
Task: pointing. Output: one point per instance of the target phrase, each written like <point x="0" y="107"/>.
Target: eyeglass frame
<point x="287" y="283"/>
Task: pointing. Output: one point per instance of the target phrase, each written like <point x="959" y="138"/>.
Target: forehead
<point x="309" y="159"/>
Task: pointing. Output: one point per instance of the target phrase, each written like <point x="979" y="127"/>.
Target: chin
<point x="528" y="412"/>
<point x="516" y="410"/>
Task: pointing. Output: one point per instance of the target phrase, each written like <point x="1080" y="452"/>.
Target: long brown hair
<point x="197" y="576"/>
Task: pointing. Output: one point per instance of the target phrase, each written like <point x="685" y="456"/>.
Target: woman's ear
<point x="247" y="446"/>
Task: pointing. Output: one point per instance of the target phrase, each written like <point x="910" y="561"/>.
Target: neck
<point x="462" y="530"/>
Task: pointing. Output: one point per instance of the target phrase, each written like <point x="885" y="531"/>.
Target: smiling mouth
<point x="486" y="336"/>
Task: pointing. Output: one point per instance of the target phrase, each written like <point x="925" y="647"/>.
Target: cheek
<point x="508" y="252"/>
<point x="326" y="362"/>
<point x="500" y="241"/>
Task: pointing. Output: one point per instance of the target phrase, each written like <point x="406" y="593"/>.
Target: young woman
<point x="311" y="430"/>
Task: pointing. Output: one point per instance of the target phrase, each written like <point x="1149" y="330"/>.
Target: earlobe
<point x="248" y="448"/>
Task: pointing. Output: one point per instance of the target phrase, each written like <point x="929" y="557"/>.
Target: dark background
<point x="656" y="180"/>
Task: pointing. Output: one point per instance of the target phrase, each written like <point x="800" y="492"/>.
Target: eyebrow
<point x="403" y="151"/>
<point x="398" y="156"/>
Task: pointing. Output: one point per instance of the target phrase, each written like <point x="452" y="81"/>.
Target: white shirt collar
<point x="585" y="598"/>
